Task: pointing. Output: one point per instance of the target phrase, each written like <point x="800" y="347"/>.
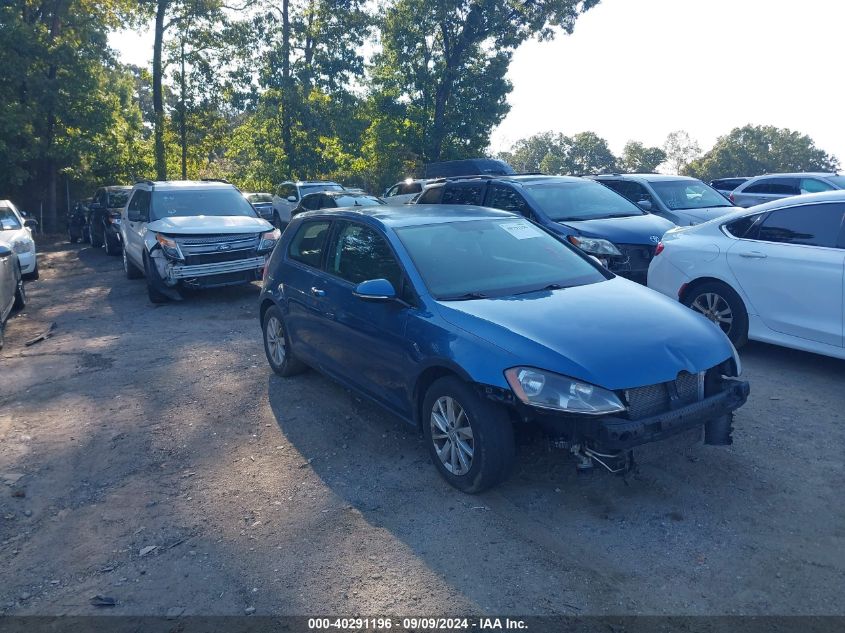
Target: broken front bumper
<point x="177" y="271"/>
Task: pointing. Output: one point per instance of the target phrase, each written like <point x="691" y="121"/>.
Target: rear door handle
<point x="753" y="255"/>
<point x="317" y="292"/>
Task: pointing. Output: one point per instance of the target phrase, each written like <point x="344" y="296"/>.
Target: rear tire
<point x="131" y="270"/>
<point x="277" y="345"/>
<point x="470" y="439"/>
<point x="723" y="306"/>
<point x="111" y="244"/>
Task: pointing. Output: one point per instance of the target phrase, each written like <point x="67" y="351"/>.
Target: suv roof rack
<point x="146" y="181"/>
<point x="442" y="179"/>
<point x="215" y="180"/>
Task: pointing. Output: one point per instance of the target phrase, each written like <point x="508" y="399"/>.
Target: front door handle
<point x="317" y="292"/>
<point x="753" y="255"/>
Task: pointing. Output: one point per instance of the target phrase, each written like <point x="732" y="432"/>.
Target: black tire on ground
<point x="96" y="238"/>
<point x="33" y="275"/>
<point x="270" y="326"/>
<point x="20" y="296"/>
<point x="717" y="295"/>
<point x="86" y="234"/>
<point x="70" y="236"/>
<point x="153" y="281"/>
<point x="112" y="245"/>
<point x="492" y="437"/>
<point x="130" y="269"/>
<point x="2" y="334"/>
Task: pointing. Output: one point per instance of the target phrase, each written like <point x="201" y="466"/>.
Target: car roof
<point x="646" y="177"/>
<point x="836" y="195"/>
<point x="517" y="178"/>
<point x="798" y="174"/>
<point x="175" y="185"/>
<point x="300" y="183"/>
<point x="398" y="216"/>
<point x="111" y="188"/>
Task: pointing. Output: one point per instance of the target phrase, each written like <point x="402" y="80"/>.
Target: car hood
<point x="615" y="334"/>
<point x="635" y="229"/>
<point x="708" y="213"/>
<point x="195" y="224"/>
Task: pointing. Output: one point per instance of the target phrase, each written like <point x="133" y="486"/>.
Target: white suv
<point x="16" y="233"/>
<point x="288" y="195"/>
<point x="200" y="234"/>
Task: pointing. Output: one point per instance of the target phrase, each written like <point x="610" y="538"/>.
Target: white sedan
<point x="772" y="273"/>
<point x="16" y="233"/>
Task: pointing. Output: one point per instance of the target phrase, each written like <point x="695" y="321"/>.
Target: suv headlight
<point x="23" y="246"/>
<point x="594" y="245"/>
<point x="169" y="246"/>
<point x="268" y="240"/>
<point x="547" y="390"/>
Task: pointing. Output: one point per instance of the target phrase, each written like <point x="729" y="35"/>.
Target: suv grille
<point x="213" y="249"/>
<point x="650" y="400"/>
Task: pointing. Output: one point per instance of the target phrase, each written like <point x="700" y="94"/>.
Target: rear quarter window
<point x="431" y="196"/>
<point x="308" y="244"/>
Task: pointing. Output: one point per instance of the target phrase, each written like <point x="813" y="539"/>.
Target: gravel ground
<point x="149" y="454"/>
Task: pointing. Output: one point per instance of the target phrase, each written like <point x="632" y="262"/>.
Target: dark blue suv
<point x="599" y="221"/>
<point x="469" y="322"/>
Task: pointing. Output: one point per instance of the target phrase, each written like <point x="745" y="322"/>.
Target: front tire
<point x="277" y="345"/>
<point x="155" y="295"/>
<point x="97" y="238"/>
<point x="34" y="275"/>
<point x="723" y="306"/>
<point x="470" y="439"/>
<point x="20" y="296"/>
<point x="111" y="245"/>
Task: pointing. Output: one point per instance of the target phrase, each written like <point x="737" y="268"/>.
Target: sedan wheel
<point x="277" y="344"/>
<point x="723" y="306"/>
<point x="714" y="308"/>
<point x="276" y="340"/>
<point x="452" y="435"/>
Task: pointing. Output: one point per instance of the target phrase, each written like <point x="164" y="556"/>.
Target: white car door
<point x="792" y="269"/>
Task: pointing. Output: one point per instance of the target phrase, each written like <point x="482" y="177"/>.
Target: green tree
<point x="759" y="149"/>
<point x="681" y="150"/>
<point x="637" y="158"/>
<point x="553" y="153"/>
<point x="447" y="61"/>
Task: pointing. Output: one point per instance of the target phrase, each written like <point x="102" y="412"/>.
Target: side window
<point x="744" y="227"/>
<point x="359" y="254"/>
<point x="409" y="188"/>
<point x="393" y="191"/>
<point x="784" y="186"/>
<point x="508" y="199"/>
<point x="140" y="203"/>
<point x="811" y="224"/>
<point x="464" y="194"/>
<point x="308" y="243"/>
<point x="312" y="202"/>
<point x="811" y="185"/>
<point x="431" y="196"/>
<point x="761" y="186"/>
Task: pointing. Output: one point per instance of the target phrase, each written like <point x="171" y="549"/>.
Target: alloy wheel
<point x="715" y="308"/>
<point x="276" y="340"/>
<point x="452" y="435"/>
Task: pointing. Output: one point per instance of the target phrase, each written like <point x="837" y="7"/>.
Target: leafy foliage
<point x="761" y="149"/>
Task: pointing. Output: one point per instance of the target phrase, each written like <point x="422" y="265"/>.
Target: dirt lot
<point x="138" y="427"/>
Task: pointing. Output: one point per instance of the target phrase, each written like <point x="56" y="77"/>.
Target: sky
<point x="640" y="69"/>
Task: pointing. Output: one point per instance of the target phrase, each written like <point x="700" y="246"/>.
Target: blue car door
<point x="367" y="346"/>
<point x="304" y="291"/>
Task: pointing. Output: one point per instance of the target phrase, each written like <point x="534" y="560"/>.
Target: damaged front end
<point x="600" y="426"/>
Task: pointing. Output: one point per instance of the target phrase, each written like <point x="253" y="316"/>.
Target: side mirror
<point x="292" y="198"/>
<point x="5" y="251"/>
<point x="375" y="290"/>
<point x="645" y="205"/>
<point x="31" y="223"/>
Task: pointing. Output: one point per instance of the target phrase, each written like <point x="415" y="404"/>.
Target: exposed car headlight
<point x="169" y="246"/>
<point x="547" y="390"/>
<point x="594" y="245"/>
<point x="23" y="246"/>
<point x="268" y="240"/>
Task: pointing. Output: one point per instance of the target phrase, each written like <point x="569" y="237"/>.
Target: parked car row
<point x="18" y="261"/>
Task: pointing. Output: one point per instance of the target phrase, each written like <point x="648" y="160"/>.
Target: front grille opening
<point x="644" y="402"/>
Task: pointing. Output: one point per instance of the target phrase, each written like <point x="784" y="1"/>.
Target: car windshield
<point x="585" y="200"/>
<point x="688" y="194"/>
<point x="306" y="189"/>
<point x="358" y="201"/>
<point x="839" y="181"/>
<point x="118" y="199"/>
<point x="259" y="198"/>
<point x="188" y="202"/>
<point x="475" y="259"/>
<point x="8" y="220"/>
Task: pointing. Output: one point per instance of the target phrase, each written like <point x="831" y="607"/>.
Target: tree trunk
<point x="287" y="141"/>
<point x="183" y="129"/>
<point x="158" y="100"/>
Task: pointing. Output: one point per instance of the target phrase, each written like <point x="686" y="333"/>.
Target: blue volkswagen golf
<point x="469" y="322"/>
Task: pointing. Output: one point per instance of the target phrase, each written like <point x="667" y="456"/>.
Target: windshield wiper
<point x="553" y="286"/>
<point x="466" y="296"/>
